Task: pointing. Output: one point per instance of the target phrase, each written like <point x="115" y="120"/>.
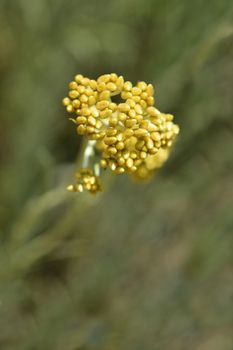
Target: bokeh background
<point x="140" y="266"/>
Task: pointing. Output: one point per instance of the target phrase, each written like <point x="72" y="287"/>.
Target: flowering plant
<point x="131" y="137"/>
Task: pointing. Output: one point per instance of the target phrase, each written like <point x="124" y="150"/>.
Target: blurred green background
<point x="140" y="266"/>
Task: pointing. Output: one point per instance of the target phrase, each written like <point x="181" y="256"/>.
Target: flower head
<point x="132" y="136"/>
<point x="86" y="180"/>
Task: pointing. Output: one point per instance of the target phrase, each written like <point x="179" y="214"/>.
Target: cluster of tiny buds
<point x="126" y="133"/>
<point x="86" y="180"/>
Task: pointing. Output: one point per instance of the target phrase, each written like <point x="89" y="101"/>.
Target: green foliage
<point x="139" y="266"/>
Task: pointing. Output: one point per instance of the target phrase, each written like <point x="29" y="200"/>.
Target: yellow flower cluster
<point x="86" y="180"/>
<point x="132" y="136"/>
